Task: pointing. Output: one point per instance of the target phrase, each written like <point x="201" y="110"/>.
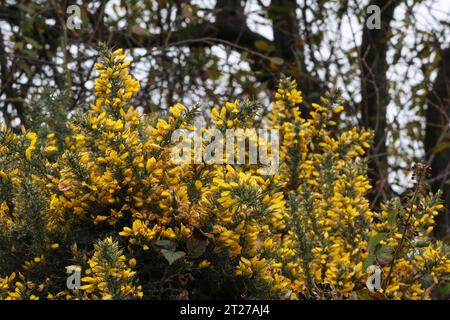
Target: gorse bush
<point x="101" y="193"/>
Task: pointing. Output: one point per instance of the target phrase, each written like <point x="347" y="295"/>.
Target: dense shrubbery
<point x="102" y="193"/>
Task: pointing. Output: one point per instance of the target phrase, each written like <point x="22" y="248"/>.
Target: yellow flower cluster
<point x="32" y="137"/>
<point x="405" y="250"/>
<point x="227" y="116"/>
<point x="108" y="276"/>
<point x="305" y="232"/>
<point x="18" y="289"/>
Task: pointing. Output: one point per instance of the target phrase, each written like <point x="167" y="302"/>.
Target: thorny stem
<point x="402" y="239"/>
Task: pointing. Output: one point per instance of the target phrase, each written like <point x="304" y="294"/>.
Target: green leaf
<point x="375" y="240"/>
<point x="33" y="42"/>
<point x="370" y="260"/>
<point x="244" y="55"/>
<point x="277" y="60"/>
<point x="29" y="8"/>
<point x="262" y="45"/>
<point x="364" y="296"/>
<point x="422" y="244"/>
<point x="31" y="53"/>
<point x="441" y="147"/>
<point x="25" y="67"/>
<point x="384" y="249"/>
<point x="384" y="255"/>
<point x="172" y="256"/>
<point x="444" y="289"/>
<point x="427" y="281"/>
<point x="139" y="30"/>
<point x="392" y="217"/>
<point x="214" y="74"/>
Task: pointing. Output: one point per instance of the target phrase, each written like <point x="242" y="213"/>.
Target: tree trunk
<point x="289" y="46"/>
<point x="437" y="139"/>
<point x="375" y="95"/>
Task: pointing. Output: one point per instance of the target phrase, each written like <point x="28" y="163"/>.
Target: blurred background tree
<point x="394" y="80"/>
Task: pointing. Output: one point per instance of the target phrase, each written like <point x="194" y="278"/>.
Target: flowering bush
<point x="103" y="193"/>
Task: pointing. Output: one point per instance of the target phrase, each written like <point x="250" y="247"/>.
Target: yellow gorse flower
<point x="305" y="232"/>
<point x="32" y="137"/>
